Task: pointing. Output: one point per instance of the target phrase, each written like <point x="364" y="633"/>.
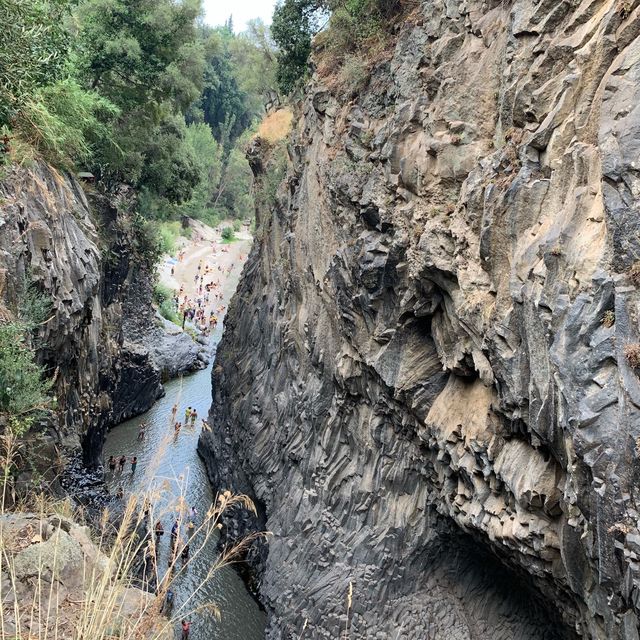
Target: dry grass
<point x="632" y="354"/>
<point x="106" y="603"/>
<point x="608" y="318"/>
<point x="276" y="126"/>
<point x="634" y="273"/>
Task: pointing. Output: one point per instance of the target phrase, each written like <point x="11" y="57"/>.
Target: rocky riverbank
<point x="56" y="582"/>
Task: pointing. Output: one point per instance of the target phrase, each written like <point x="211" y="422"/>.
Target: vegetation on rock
<point x="356" y="30"/>
<point x="136" y="92"/>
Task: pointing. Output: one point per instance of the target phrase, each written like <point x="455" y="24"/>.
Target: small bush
<point x="35" y="306"/>
<point x="632" y="354"/>
<point x="161" y="293"/>
<point x="228" y="235"/>
<point x="237" y="225"/>
<point x="23" y="390"/>
<point x="64" y="122"/>
<point x="168" y="233"/>
<point x="354" y="74"/>
<point x="147" y="244"/>
<point x="168" y="312"/>
<point x="634" y="273"/>
<point x="608" y="318"/>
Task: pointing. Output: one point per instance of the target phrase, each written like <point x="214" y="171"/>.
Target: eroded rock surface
<point x="429" y="337"/>
<point x="101" y="342"/>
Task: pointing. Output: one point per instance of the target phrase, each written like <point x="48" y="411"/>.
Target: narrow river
<point x="168" y="463"/>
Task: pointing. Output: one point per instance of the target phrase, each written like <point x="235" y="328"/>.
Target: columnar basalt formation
<point x="423" y="375"/>
<point x="101" y="342"/>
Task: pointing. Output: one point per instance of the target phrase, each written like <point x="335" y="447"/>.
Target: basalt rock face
<point x="423" y="375"/>
<point x="81" y="256"/>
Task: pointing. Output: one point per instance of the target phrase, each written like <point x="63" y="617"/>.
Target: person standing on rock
<point x="134" y="464"/>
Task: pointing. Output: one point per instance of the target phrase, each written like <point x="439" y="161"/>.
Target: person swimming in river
<point x="120" y="493"/>
<point x="174" y="410"/>
<point x="187" y="414"/>
<point x="141" y="431"/>
<point x="121" y="463"/>
<point x="194" y="415"/>
<point x="177" y="426"/>
<point x="134" y="464"/>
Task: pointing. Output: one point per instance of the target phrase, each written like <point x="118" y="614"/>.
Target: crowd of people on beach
<point x="207" y="291"/>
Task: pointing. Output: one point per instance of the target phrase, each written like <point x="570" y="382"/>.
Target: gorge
<point x="427" y="375"/>
<point x="428" y="382"/>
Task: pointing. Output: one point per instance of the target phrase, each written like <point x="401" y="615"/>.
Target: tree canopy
<point x="137" y="91"/>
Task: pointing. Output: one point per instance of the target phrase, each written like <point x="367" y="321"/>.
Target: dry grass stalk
<point x="103" y="610"/>
<point x="276" y="126"/>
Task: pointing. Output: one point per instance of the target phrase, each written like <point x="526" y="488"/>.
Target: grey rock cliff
<point x="101" y="341"/>
<point x="423" y="375"/>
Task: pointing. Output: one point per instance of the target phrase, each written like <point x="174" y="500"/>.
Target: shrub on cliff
<point x="161" y="293"/>
<point x="23" y="389"/>
<point x="354" y="26"/>
<point x="228" y="235"/>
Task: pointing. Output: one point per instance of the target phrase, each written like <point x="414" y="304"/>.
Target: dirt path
<point x="219" y="263"/>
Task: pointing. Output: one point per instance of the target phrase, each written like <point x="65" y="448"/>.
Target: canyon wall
<point x="427" y="375"/>
<point x="101" y="343"/>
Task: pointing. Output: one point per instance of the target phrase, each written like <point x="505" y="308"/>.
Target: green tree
<point x="223" y="105"/>
<point x="32" y="50"/>
<point x="253" y="60"/>
<point x="145" y="57"/>
<point x="208" y="156"/>
<point x="140" y="51"/>
<point x="295" y="22"/>
<point x="173" y="172"/>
